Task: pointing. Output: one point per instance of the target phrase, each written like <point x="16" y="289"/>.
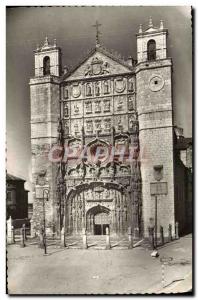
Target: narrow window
<point x="46" y="65"/>
<point x="151" y="50"/>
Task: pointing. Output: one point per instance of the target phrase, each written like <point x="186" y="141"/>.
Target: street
<point x="74" y="271"/>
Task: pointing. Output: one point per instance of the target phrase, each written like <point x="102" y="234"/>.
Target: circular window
<point x="156" y="83"/>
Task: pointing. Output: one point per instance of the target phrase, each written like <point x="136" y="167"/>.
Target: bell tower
<point x="151" y="44"/>
<point x="47" y="59"/>
<point x="44" y="97"/>
<point x="155" y="114"/>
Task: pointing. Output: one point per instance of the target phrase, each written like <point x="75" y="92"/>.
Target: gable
<point x="99" y="64"/>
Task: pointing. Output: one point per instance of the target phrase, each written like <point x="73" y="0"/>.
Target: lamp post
<point x="61" y="192"/>
<point x="45" y="193"/>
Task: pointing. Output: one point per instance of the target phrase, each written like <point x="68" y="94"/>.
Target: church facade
<point x="102" y="139"/>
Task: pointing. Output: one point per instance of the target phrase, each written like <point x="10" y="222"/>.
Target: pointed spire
<point x="150" y="22"/>
<point x="140" y="28"/>
<point x="37" y="47"/>
<point x="161" y="24"/>
<point x="55" y="44"/>
<point x="46" y="43"/>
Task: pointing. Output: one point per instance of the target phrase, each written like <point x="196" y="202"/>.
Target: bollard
<point x="22" y="237"/>
<point x="41" y="240"/>
<point x="84" y="234"/>
<point x="45" y="242"/>
<point x="12" y="234"/>
<point x="108" y="245"/>
<point x="176" y="230"/>
<point x="136" y="233"/>
<point x="25" y="233"/>
<point x="169" y="232"/>
<point x="9" y="231"/>
<point x="130" y="246"/>
<point x="161" y="235"/>
<point x="151" y="237"/>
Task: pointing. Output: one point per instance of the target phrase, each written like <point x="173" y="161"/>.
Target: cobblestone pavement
<point x="72" y="271"/>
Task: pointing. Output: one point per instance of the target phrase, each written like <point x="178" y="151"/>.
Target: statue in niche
<point x="76" y="109"/>
<point x="132" y="119"/>
<point x="135" y="127"/>
<point x="111" y="170"/>
<point x="65" y="92"/>
<point x="106" y="87"/>
<point x="107" y="124"/>
<point x="89" y="126"/>
<point x="97" y="89"/>
<point x="106" y="194"/>
<point x="65" y="110"/>
<point x="120" y="103"/>
<point x="120" y="126"/>
<point x="106" y="68"/>
<point x="76" y="128"/>
<point x="97" y="106"/>
<point x="88" y="107"/>
<point x="130" y="86"/>
<point x="131" y="103"/>
<point x="103" y="172"/>
<point x="88" y="70"/>
<point x="66" y="128"/>
<point x="80" y="172"/>
<point x="107" y="105"/>
<point x="88" y="89"/>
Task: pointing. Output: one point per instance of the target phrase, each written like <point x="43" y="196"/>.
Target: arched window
<point x="151" y="50"/>
<point x="46" y="65"/>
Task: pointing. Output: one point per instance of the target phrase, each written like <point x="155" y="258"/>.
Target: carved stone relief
<point x="88" y="107"/>
<point x="88" y="90"/>
<point x="97" y="88"/>
<point x="97" y="67"/>
<point x="76" y="90"/>
<point x="120" y="84"/>
<point x="65" y="110"/>
<point x="97" y="106"/>
<point x="131" y="87"/>
<point x="107" y="105"/>
<point x="106" y="87"/>
<point x="131" y="103"/>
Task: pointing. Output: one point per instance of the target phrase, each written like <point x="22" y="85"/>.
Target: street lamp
<point x="61" y="192"/>
<point x="45" y="193"/>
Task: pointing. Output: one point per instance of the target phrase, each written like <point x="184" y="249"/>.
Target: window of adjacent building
<point x="46" y="65"/>
<point x="151" y="50"/>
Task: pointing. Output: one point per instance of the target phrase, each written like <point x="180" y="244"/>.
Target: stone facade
<point x="103" y="103"/>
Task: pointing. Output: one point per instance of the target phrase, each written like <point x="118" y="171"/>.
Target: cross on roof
<point x="97" y="25"/>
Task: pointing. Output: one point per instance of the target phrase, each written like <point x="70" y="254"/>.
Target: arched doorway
<point x="98" y="219"/>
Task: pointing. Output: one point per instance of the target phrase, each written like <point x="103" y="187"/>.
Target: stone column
<point x="176" y="230"/>
<point x="130" y="238"/>
<point x="169" y="232"/>
<point x="84" y="234"/>
<point x="161" y="235"/>
<point x="22" y="235"/>
<point x="108" y="245"/>
<point x="10" y="231"/>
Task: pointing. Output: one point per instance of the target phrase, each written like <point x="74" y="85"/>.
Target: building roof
<point x="183" y="143"/>
<point x="101" y="49"/>
<point x="13" y="178"/>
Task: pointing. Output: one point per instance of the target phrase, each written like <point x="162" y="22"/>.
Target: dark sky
<point x="72" y="27"/>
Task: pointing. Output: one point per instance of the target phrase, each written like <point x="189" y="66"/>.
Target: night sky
<point x="72" y="27"/>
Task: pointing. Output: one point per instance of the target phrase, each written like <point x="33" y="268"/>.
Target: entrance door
<point x="101" y="222"/>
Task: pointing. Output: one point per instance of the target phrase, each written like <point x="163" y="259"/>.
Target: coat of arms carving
<point x="97" y="67"/>
<point x="120" y="85"/>
<point x="76" y="90"/>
